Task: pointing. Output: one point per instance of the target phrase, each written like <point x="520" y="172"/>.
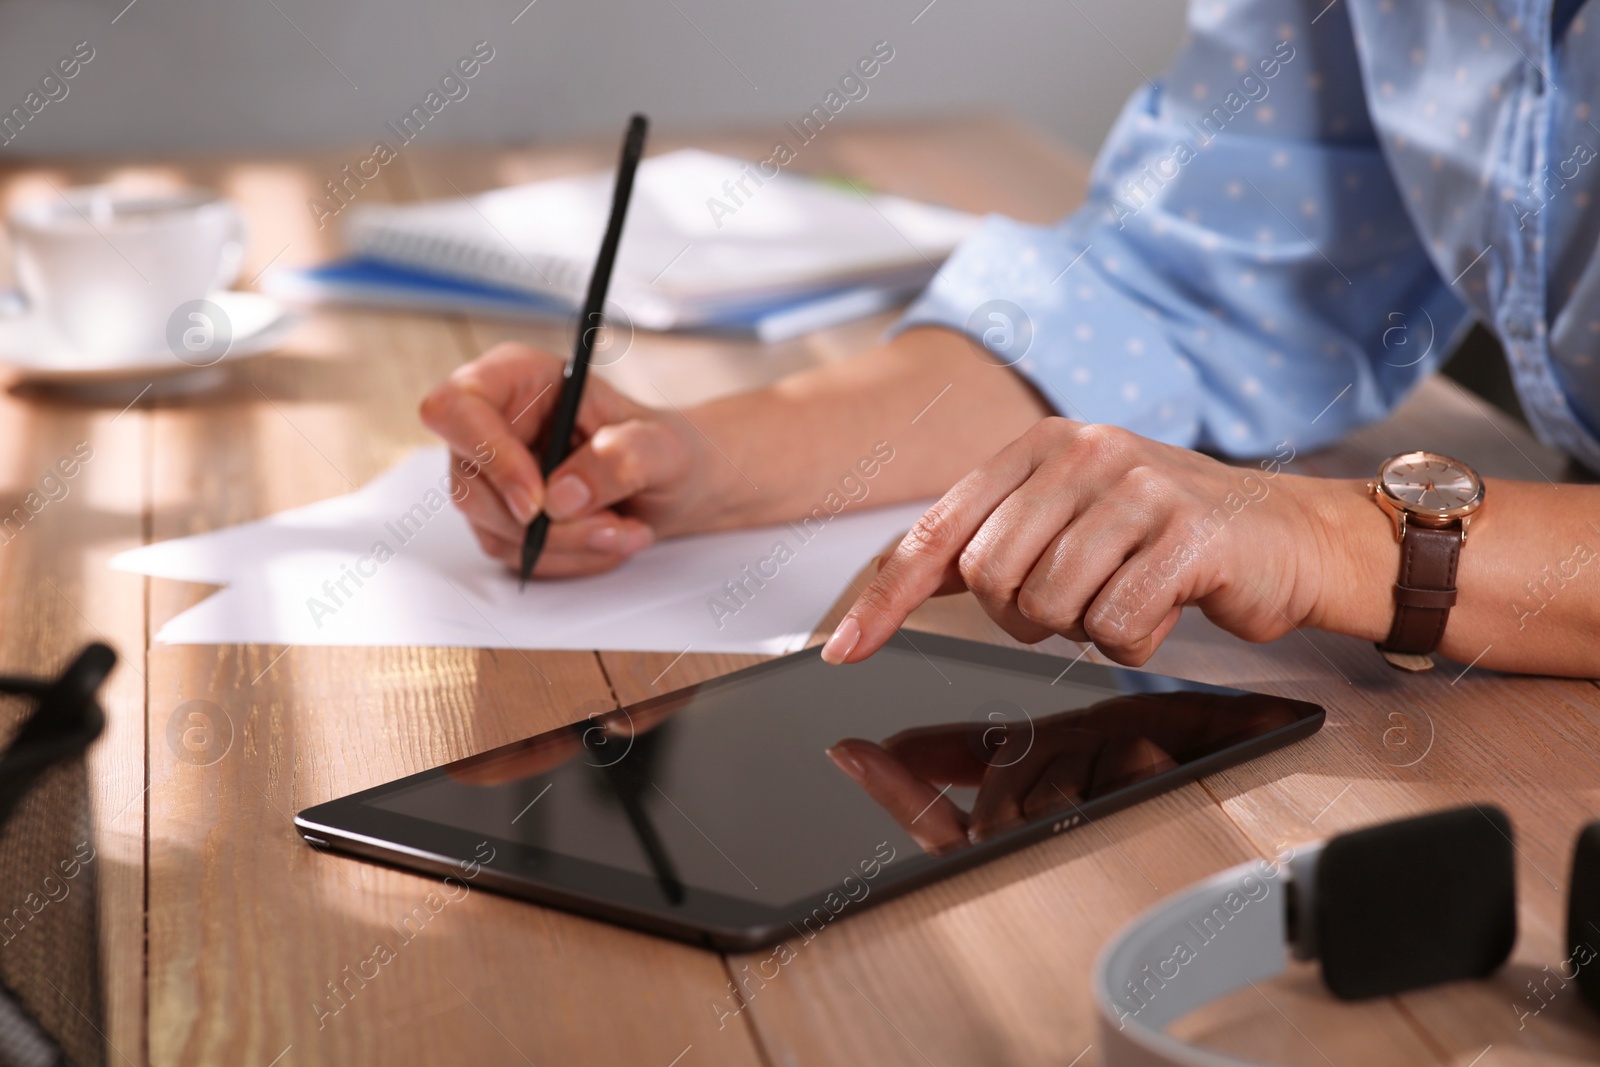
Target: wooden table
<point x="222" y="930"/>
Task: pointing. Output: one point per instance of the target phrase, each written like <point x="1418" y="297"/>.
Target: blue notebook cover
<point x="368" y="281"/>
<point x="371" y="282"/>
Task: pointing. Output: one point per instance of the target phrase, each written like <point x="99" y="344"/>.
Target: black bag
<point x="51" y="1009"/>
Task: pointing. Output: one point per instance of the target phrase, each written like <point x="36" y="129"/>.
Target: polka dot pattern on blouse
<point x="1289" y="231"/>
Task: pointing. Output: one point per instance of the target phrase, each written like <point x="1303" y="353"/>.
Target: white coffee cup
<point x="112" y="271"/>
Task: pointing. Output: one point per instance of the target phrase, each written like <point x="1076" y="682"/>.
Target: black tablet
<point x="771" y="802"/>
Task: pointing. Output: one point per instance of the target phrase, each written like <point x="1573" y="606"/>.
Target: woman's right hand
<point x="625" y="483"/>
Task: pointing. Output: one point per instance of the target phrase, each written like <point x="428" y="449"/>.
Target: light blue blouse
<point x="1286" y="234"/>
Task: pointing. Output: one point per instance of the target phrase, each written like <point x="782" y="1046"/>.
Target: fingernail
<point x="520" y="501"/>
<point x="637" y="539"/>
<point x="846" y="761"/>
<point x="977" y="835"/>
<point x="604" y="539"/>
<point x="843" y="640"/>
<point x="568" y="495"/>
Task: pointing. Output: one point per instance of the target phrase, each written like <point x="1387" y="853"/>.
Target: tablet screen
<point x="729" y="788"/>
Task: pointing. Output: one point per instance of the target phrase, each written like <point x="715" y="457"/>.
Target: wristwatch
<point x="1432" y="500"/>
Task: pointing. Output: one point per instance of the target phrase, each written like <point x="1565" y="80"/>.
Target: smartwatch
<point x="1432" y="500"/>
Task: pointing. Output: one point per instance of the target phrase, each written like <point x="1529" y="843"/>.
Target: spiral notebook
<point x="708" y="237"/>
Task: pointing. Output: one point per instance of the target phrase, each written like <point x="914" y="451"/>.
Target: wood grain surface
<point x="228" y="940"/>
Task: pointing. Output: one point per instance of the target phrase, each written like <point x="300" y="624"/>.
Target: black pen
<point x="566" y="415"/>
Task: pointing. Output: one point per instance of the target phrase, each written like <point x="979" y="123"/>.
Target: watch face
<point x="1427" y="484"/>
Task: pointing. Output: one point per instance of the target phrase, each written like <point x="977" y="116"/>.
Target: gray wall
<point x="191" y="76"/>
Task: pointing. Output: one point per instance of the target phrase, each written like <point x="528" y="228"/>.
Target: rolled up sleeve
<point x="1243" y="272"/>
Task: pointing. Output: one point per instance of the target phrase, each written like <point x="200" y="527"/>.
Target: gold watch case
<point x="1405" y="484"/>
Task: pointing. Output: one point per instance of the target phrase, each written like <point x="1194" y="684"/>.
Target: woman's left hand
<point x="1101" y="535"/>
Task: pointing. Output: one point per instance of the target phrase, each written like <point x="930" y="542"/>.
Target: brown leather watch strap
<point x="1426" y="590"/>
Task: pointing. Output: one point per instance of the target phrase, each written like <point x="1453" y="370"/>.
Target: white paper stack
<point x="395" y="563"/>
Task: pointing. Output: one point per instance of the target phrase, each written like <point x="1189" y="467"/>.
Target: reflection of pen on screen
<point x="628" y="778"/>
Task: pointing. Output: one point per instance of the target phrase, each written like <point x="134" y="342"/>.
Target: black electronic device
<point x="765" y="803"/>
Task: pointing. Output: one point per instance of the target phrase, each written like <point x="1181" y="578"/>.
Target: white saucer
<point x="29" y="345"/>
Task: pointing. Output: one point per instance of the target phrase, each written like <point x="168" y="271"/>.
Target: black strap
<point x="63" y="725"/>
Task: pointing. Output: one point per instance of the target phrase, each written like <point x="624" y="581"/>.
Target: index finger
<point x="925" y="560"/>
<point x="489" y="410"/>
<point x="932" y="819"/>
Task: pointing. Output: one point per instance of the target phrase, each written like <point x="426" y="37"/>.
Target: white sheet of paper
<point x="317" y="575"/>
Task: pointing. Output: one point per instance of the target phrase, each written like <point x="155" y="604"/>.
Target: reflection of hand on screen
<point x="1059" y="762"/>
<point x="596" y="735"/>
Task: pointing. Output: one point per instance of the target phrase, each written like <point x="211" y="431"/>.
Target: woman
<point x="1310" y="179"/>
